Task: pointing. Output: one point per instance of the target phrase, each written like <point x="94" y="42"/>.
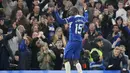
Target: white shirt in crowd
<point x="122" y="13"/>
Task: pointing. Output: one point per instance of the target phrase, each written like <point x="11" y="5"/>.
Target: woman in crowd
<point x="46" y="57"/>
<point x="59" y="36"/>
<point x="58" y="50"/>
<point x="25" y="53"/>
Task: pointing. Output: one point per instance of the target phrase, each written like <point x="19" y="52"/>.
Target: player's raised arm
<point x="85" y="14"/>
<point x="58" y="18"/>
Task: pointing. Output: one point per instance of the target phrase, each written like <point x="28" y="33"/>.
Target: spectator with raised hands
<point x="34" y="15"/>
<point x="45" y="57"/>
<point x="19" y="6"/>
<point x="68" y="4"/>
<point x="14" y="42"/>
<point x="5" y="51"/>
<point x="10" y="5"/>
<point x="20" y="19"/>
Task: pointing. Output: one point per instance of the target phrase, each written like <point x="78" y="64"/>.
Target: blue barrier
<point x="49" y="71"/>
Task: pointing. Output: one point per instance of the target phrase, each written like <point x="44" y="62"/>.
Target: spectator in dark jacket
<point x="107" y="46"/>
<point x="58" y="50"/>
<point x="35" y="49"/>
<point x="5" y="50"/>
<point x="89" y="37"/>
<point x="112" y="62"/>
<point x="126" y="32"/>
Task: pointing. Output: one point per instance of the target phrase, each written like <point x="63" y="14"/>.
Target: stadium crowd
<point x="31" y="38"/>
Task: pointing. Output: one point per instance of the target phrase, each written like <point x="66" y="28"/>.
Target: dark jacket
<point x="88" y="43"/>
<point x="3" y="27"/>
<point x="35" y="50"/>
<point x="5" y="51"/>
<point x="107" y="47"/>
<point x="106" y="25"/>
<point x="115" y="61"/>
<point x="126" y="33"/>
<point x="59" y="59"/>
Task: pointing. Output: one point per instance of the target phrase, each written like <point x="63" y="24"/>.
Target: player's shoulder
<point x="78" y="16"/>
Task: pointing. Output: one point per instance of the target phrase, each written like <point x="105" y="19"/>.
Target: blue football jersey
<point x="76" y="25"/>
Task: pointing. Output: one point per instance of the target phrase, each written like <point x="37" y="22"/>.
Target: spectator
<point x="51" y="27"/>
<point x="106" y="23"/>
<point x="115" y="35"/>
<point x="114" y="3"/>
<point x="68" y="5"/>
<point x="107" y="46"/>
<point x="58" y="50"/>
<point x="119" y="22"/>
<point x="19" y="7"/>
<point x="9" y="6"/>
<point x="13" y="43"/>
<point x="91" y="3"/>
<point x="84" y="60"/>
<point x="96" y="55"/>
<point x="20" y="19"/>
<point x="34" y="15"/>
<point x="121" y="12"/>
<point x="97" y="23"/>
<point x="49" y="9"/>
<point x="90" y="36"/>
<point x="59" y="36"/>
<point x="112" y="62"/>
<point x="111" y="10"/>
<point x="126" y="32"/>
<point x="46" y="57"/>
<point x="14" y="64"/>
<point x="122" y="47"/>
<point x="128" y="15"/>
<point x="35" y="28"/>
<point x="35" y="49"/>
<point x="5" y="50"/>
<point x="2" y="25"/>
<point x="98" y="5"/>
<point x="25" y="53"/>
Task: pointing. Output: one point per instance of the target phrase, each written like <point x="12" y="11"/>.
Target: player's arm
<point x="85" y="14"/>
<point x="59" y="19"/>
